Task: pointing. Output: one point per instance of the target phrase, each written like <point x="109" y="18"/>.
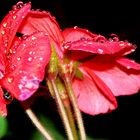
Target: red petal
<point x="42" y="21"/>
<point x="3" y="110"/>
<point x="91" y="99"/>
<point x="27" y="66"/>
<point x="128" y="63"/>
<point x="2" y="69"/>
<point x="10" y="24"/>
<point x="107" y="47"/>
<point x="120" y="81"/>
<point x="103" y="87"/>
<point x="74" y="34"/>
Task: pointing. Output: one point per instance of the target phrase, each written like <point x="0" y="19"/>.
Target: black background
<point x="101" y="17"/>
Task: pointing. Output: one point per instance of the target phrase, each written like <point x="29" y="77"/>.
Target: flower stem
<point x="70" y="116"/>
<point x="63" y="113"/>
<point x="75" y="106"/>
<point x="38" y="125"/>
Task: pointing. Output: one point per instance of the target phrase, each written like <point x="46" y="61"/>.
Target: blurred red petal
<point x="102" y="86"/>
<point x="27" y="66"/>
<point x="41" y="21"/>
<point x="120" y="81"/>
<point x="91" y="99"/>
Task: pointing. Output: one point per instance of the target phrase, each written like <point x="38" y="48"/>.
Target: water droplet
<point x="30" y="59"/>
<point x="4" y="24"/>
<point x="100" y="51"/>
<point x="24" y="45"/>
<point x="7" y="97"/>
<point x="132" y="50"/>
<point x="30" y="52"/>
<point x="14" y="51"/>
<point x="75" y="27"/>
<point x="20" y="86"/>
<point x="113" y="37"/>
<point x="121" y="44"/>
<point x="18" y="58"/>
<point x="41" y="58"/>
<point x="34" y="38"/>
<point x="19" y="5"/>
<point x="2" y="32"/>
<point x="90" y="43"/>
<point x="66" y="46"/>
<point x="128" y="67"/>
<point x="5" y="51"/>
<point x="1" y="75"/>
<point x="100" y="39"/>
<point x="25" y="37"/>
<point x="12" y="67"/>
<point x="20" y="71"/>
<point x="10" y="79"/>
<point x="10" y="51"/>
<point x="82" y="38"/>
<point x="14" y="17"/>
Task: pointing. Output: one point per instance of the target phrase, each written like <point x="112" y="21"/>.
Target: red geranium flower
<point x="22" y="59"/>
<point x="105" y="71"/>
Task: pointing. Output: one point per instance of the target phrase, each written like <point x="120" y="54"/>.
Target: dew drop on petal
<point x="1" y="75"/>
<point x="121" y="44"/>
<point x="40" y="58"/>
<point x="75" y="27"/>
<point x="7" y="97"/>
<point x="30" y="52"/>
<point x="25" y="37"/>
<point x="19" y="5"/>
<point x="30" y="59"/>
<point x="132" y="50"/>
<point x="14" y="17"/>
<point x="2" y="32"/>
<point x="128" y="67"/>
<point x="34" y="38"/>
<point x="100" y="51"/>
<point x="20" y="71"/>
<point x="18" y="58"/>
<point x="10" y="79"/>
<point x="113" y="37"/>
<point x="10" y="50"/>
<point x="12" y="67"/>
<point x="4" y="24"/>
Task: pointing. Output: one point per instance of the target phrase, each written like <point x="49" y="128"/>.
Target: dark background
<point x="119" y="17"/>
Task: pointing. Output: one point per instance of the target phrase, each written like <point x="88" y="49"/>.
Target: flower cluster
<point x="97" y="66"/>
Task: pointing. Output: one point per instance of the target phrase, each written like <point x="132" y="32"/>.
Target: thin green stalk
<point x="38" y="125"/>
<point x="67" y="105"/>
<point x="63" y="113"/>
<point x="75" y="106"/>
<point x="68" y="109"/>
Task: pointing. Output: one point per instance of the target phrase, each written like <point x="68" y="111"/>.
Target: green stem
<point x="68" y="109"/>
<point x="63" y="113"/>
<point x="38" y="125"/>
<point x="75" y="106"/>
